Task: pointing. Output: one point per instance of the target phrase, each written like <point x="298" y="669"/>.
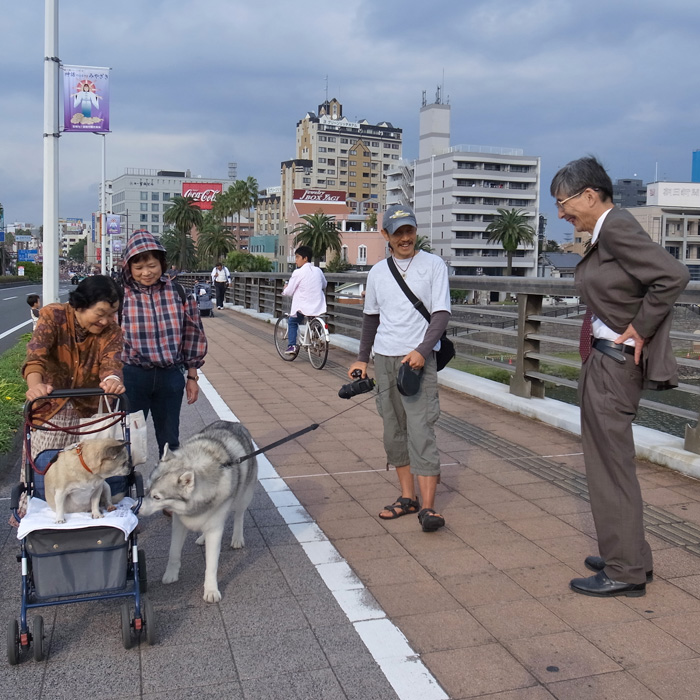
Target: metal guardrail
<point x="535" y="343"/>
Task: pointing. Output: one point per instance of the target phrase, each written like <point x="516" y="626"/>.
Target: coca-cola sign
<point x="322" y="196"/>
<point x="204" y="193"/>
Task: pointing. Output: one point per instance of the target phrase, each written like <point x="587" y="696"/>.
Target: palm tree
<point x="320" y="233"/>
<point x="422" y="243"/>
<point x="179" y="249"/>
<point x="250" y="193"/>
<point x="184" y="213"/>
<point x="225" y="205"/>
<point x="215" y="241"/>
<point x="510" y="229"/>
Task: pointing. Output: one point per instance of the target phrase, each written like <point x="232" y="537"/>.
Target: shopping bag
<point x="103" y="424"/>
<point x="138" y="436"/>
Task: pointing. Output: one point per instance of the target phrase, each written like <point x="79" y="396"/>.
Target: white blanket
<point x="39" y="516"/>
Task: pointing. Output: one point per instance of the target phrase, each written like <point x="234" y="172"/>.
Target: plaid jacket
<point x="159" y="330"/>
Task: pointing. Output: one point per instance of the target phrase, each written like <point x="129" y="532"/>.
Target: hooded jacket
<point x="159" y="330"/>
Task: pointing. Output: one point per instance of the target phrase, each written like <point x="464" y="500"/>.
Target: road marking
<point x="402" y="666"/>
<point x="16" y="328"/>
<point x="8" y="298"/>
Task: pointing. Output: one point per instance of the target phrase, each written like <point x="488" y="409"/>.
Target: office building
<point x="629" y="193"/>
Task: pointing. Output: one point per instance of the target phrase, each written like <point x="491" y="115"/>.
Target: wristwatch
<point x="195" y="378"/>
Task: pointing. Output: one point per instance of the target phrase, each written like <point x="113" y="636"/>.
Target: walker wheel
<point x="38" y="638"/>
<point x="13" y="643"/>
<point x="127" y="637"/>
<point x="149" y="620"/>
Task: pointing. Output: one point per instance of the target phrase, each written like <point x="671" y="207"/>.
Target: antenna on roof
<point x="326" y="87"/>
<point x="424" y="101"/>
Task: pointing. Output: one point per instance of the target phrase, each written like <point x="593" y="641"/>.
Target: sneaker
<point x="291" y="349"/>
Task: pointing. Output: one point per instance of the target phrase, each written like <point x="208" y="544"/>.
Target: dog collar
<point x="79" y="451"/>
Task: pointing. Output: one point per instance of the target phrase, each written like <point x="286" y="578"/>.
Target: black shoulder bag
<point x="447" y="348"/>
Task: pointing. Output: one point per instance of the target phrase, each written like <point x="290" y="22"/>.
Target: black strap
<point x="418" y="305"/>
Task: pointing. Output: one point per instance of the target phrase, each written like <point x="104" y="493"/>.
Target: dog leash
<point x="303" y="431"/>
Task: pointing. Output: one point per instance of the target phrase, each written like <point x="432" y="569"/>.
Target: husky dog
<point x="75" y="480"/>
<point x="199" y="484"/>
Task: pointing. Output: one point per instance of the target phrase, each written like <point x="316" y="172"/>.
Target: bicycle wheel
<point x="281" y="340"/>
<point x="318" y="345"/>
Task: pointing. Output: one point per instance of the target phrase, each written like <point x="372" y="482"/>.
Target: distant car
<point x="77" y="279"/>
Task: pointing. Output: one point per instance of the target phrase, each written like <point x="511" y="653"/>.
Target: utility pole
<point x="51" y="135"/>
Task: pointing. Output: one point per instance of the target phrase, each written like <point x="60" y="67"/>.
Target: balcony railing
<point x="535" y="343"/>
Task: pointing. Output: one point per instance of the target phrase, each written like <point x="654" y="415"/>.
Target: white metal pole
<point x="432" y="188"/>
<point x="103" y="206"/>
<point x="50" y="200"/>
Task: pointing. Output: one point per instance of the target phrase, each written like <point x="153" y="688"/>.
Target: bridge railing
<point x="524" y="331"/>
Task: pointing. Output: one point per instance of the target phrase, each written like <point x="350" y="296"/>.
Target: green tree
<point x="243" y="261"/>
<point x="249" y="194"/>
<point x="184" y="214"/>
<point x="552" y="246"/>
<point x="179" y="249"/>
<point x="422" y="243"/>
<point x="371" y="220"/>
<point x="77" y="250"/>
<point x="337" y="264"/>
<point x="215" y="241"/>
<point x="510" y="229"/>
<point x="320" y="233"/>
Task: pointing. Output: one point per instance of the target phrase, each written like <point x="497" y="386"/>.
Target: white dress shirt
<point x="307" y="287"/>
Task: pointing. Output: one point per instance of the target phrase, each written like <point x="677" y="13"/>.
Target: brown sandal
<point x="402" y="506"/>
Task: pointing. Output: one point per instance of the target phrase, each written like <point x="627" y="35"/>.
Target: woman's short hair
<point x="159" y="255"/>
<point x="93" y="290"/>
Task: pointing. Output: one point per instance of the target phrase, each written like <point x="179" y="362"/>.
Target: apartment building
<point x="458" y="191"/>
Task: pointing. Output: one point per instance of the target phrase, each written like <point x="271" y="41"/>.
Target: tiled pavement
<point x="484" y="602"/>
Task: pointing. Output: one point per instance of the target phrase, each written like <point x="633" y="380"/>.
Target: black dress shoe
<point x="602" y="586"/>
<point x="598" y="564"/>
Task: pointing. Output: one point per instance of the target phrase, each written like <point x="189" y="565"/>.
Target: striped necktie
<point x="585" y="342"/>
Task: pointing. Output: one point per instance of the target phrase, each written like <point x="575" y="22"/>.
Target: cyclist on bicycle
<point x="307" y="287"/>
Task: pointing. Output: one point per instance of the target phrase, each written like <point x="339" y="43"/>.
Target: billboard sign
<point x="114" y="227"/>
<point x="21" y="238"/>
<point x="203" y="193"/>
<point x="27" y="255"/>
<point x="85" y="99"/>
<point x="673" y="194"/>
<point x="320" y="196"/>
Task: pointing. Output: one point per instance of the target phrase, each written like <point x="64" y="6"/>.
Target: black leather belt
<point x="613" y="350"/>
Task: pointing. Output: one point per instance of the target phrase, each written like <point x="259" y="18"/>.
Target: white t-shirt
<point x="401" y="327"/>
<point x="307" y="288"/>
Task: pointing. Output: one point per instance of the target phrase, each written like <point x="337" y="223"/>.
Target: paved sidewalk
<point x="484" y="602"/>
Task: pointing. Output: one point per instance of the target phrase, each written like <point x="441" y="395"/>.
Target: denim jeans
<point x="158" y="390"/>
<point x="293" y="326"/>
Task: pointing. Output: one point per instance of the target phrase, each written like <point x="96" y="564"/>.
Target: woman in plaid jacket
<point x="164" y="341"/>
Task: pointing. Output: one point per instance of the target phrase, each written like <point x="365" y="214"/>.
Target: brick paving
<point x="484" y="602"/>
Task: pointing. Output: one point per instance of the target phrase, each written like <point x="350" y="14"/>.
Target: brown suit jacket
<point x="627" y="278"/>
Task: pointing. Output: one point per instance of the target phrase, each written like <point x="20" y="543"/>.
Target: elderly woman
<point x="75" y="345"/>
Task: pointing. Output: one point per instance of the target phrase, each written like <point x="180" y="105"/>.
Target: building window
<point x="321" y="149"/>
<point x="330" y="182"/>
<point x="344" y="140"/>
<point x="353" y="184"/>
<point x="307" y="180"/>
<point x="331" y="161"/>
<point x="144" y="196"/>
<point x="353" y="152"/>
<point x="155" y="196"/>
<point x="321" y="160"/>
<point x="155" y="207"/>
<point x="143" y="217"/>
<point x="166" y="196"/>
<point x="155" y="229"/>
<point x="344" y="253"/>
<point x="362" y="255"/>
<point x="155" y="218"/>
<point x="331" y="139"/>
<point x="144" y="206"/>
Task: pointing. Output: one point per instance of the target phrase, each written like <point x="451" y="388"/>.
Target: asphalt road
<point x="14" y="312"/>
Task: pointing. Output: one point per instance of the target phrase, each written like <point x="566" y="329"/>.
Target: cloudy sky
<point x="199" y="83"/>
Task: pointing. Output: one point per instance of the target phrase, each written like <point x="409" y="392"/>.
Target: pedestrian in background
<point x="221" y="279"/>
<point x="629" y="285"/>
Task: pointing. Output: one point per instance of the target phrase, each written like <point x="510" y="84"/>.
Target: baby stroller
<point x="82" y="559"/>
<point x="202" y="292"/>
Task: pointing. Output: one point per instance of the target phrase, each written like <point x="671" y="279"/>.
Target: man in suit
<point x="629" y="285"/>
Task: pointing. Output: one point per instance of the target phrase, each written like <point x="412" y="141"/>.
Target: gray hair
<point x="579" y="175"/>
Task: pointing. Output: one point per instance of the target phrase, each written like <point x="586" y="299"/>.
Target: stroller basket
<point x="88" y="560"/>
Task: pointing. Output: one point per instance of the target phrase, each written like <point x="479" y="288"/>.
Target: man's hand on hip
<point x="638" y="342"/>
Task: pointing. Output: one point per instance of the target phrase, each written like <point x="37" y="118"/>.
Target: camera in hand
<point x="359" y="386"/>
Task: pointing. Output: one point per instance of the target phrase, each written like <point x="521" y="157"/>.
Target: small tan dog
<point x="75" y="481"/>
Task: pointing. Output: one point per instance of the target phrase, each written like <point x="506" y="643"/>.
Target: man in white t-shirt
<point x="400" y="334"/>
<point x="221" y="278"/>
<point x="307" y="287"/>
